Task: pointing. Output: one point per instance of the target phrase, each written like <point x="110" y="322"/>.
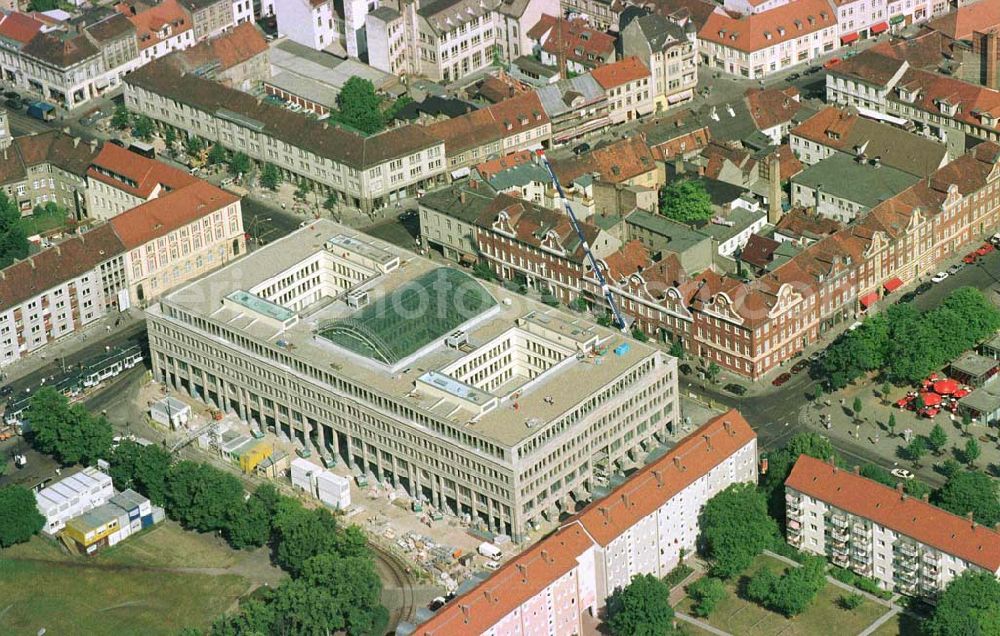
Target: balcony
<point x="840" y="521"/>
<point x="908" y="576"/>
<point x="907" y="550"/>
<point x="839" y="560"/>
<point x="860" y="531"/>
<point x="908" y="565"/>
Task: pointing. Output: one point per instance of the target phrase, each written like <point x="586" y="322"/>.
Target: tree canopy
<point x="971" y="491"/>
<point x="970" y="605"/>
<point x="906" y="344"/>
<point x="71" y="434"/>
<point x="270" y="176"/>
<point x="642" y="608"/>
<point x="359" y="107"/>
<point x="13" y="239"/>
<point x="202" y="497"/>
<point x="19" y="516"/>
<point x="735" y="528"/>
<point x="791" y="593"/>
<point x="779" y="465"/>
<point x="685" y="200"/>
<point x="144" y="468"/>
<point x="707" y="592"/>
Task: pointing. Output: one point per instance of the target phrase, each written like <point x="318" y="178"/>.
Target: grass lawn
<point x="899" y="625"/>
<point x="740" y="617"/>
<point x="128" y="589"/>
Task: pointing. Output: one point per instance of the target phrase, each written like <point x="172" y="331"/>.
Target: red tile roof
<point x="228" y="49"/>
<point x="478" y="128"/>
<point x="620" y="73"/>
<point x="575" y="38"/>
<point x="886" y="506"/>
<point x="769" y="28"/>
<point x="149" y="20"/>
<point x="135" y="174"/>
<point x="511" y="586"/>
<point x="772" y="107"/>
<point x="167" y="213"/>
<point x="657" y="483"/>
<point x="489" y="169"/>
<point x="53" y="267"/>
<point x="964" y="21"/>
<point x="616" y="163"/>
<point x="523" y="577"/>
<point x="632" y="258"/>
<point x="759" y="250"/>
<point x="19" y="27"/>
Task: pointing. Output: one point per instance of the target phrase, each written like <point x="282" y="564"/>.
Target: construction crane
<point x="605" y="289"/>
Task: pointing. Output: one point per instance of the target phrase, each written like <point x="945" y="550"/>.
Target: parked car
<point x="800" y="366"/>
<point x="922" y="287"/>
<point x="685" y="368"/>
<point x="781" y="379"/>
<point x="92" y="118"/>
<point x="11" y="95"/>
<point x="832" y="62"/>
<point x="970" y="258"/>
<point x="902" y="473"/>
<point x="985" y="249"/>
<point x="14" y="103"/>
<point x="581" y="148"/>
<point x="736" y="389"/>
<point x="940" y="276"/>
<point x="954" y="269"/>
<point x="792" y="77"/>
<point x="6" y="390"/>
<point x="908" y="297"/>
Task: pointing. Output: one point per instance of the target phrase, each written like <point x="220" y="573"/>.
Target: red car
<point x="970" y="258"/>
<point x="832" y="62"/>
<point x="781" y="379"/>
<point x="986" y="248"/>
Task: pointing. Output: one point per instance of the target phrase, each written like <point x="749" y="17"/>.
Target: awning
<point x="896" y="19"/>
<point x="680" y="97"/>
<point x="467" y="259"/>
<point x="945" y="387"/>
<point x="930" y="399"/>
<point x="461" y="172"/>
<point x="869" y="299"/>
<point x="850" y="37"/>
<point x="881" y="27"/>
<point x="892" y="285"/>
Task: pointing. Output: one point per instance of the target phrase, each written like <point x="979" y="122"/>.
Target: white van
<point x="492" y="566"/>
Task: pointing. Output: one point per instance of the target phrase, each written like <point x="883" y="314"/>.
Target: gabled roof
<point x="961" y="23"/>
<point x="227" y="50"/>
<point x="799" y="222"/>
<point x="54" y="266"/>
<point x="759" y="250"/>
<point x="165" y="214"/>
<point x="18" y="27"/>
<point x="772" y="107"/>
<point x="60" y="49"/>
<point x="505" y="119"/>
<point x="871" y="67"/>
<point x="769" y="28"/>
<point x="149" y="20"/>
<point x="895" y="510"/>
<point x="620" y="73"/>
<point x="631" y="258"/>
<point x="659" y="31"/>
<point x="533" y="225"/>
<point x="574" y="38"/>
<point x="135" y="174"/>
<point x="70" y="154"/>
<point x="615" y="163"/>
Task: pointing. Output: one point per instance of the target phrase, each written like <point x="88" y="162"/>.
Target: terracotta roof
<point x="717" y="155"/>
<point x="227" y="50"/>
<point x="619" y="73"/>
<point x="511" y="586"/>
<point x="67" y="153"/>
<point x="934" y="90"/>
<point x="167" y="213"/>
<point x="536" y="225"/>
<point x="505" y="119"/>
<point x="759" y="250"/>
<point x="871" y="66"/>
<point x="149" y="20"/>
<point x="111" y="27"/>
<point x="575" y="38"/>
<point x="616" y="163"/>
<point x="788" y="163"/>
<point x="648" y="489"/>
<point x="488" y="169"/>
<point x="768" y="28"/>
<point x="52" y="267"/>
<point x="19" y="27"/>
<point x="135" y="174"/>
<point x="886" y="506"/>
<point x="800" y="222"/>
<point x="772" y="107"/>
<point x="961" y="23"/>
<point x="60" y="49"/>
<point x="631" y="258"/>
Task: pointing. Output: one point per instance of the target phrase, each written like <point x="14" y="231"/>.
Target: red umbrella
<point x="961" y="393"/>
<point x="930" y="399"/>
<point x="945" y="387"/>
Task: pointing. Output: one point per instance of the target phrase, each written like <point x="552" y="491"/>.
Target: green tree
<point x="642" y="608"/>
<point x="194" y="145"/>
<point x="302" y="534"/>
<point x="122" y="119"/>
<point x="793" y="592"/>
<point x="916" y="488"/>
<point x="760" y="585"/>
<point x="891" y="424"/>
<point x="19" y="516"/>
<point x="356" y="591"/>
<point x="43" y="5"/>
<point x="143" y="468"/>
<point x="971" y="491"/>
<point x="270" y="176"/>
<point x="685" y="200"/>
<point x="252" y="525"/>
<point x="201" y="497"/>
<point x="970" y="604"/>
<point x="677" y="350"/>
<point x="937" y="439"/>
<point x="239" y="163"/>
<point x="255" y="618"/>
<point x="142" y="127"/>
<point x="856" y="407"/>
<point x="217" y="155"/>
<point x="71" y="434"/>
<point x="359" y="106"/>
<point x="949" y="467"/>
<point x="850" y="602"/>
<point x="707" y="592"/>
<point x="966" y="422"/>
<point x="916" y="449"/>
<point x="886" y="388"/>
<point x="639" y="334"/>
<point x="482" y="270"/>
<point x="170" y="136"/>
<point x="972" y="451"/>
<point x="13" y="239"/>
<point x="302" y="190"/>
<point x="879" y="474"/>
<point x="330" y="203"/>
<point x="735" y="528"/>
<point x="712" y="372"/>
<point x="780" y="463"/>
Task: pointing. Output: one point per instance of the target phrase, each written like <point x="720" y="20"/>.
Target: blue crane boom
<point x="605" y="289"/>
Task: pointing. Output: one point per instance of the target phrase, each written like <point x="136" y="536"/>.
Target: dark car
<point x="908" y="297"/>
<point x="922" y="287"/>
<point x="781" y="379"/>
<point x="11" y="95"/>
<point x="92" y="118"/>
<point x="14" y="103"/>
<point x="800" y="366"/>
<point x="581" y="148"/>
<point x="736" y="389"/>
<point x="792" y="77"/>
<point x="6" y="390"/>
<point x="684" y="368"/>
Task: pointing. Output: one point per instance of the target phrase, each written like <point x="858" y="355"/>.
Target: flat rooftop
<point x="450" y="380"/>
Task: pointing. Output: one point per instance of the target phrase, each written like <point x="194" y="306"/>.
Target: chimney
<point x="461" y="196"/>
<point x="678" y="465"/>
<point x="728" y="426"/>
<point x="857" y="469"/>
<point x="31" y="261"/>
<point x="774" y="192"/>
<point x="465" y="611"/>
<point x="523" y="570"/>
<point x="547" y="557"/>
<point x="899" y="487"/>
<point x="968" y="515"/>
<point x="926" y="498"/>
<point x="658" y="476"/>
<point x="625" y="500"/>
<point x="76" y="141"/>
<point x="66" y="130"/>
<point x="93" y="145"/>
<point x="708" y="442"/>
<point x="490" y="596"/>
<point x="606" y="514"/>
<point x="679" y="164"/>
<point x="990" y="63"/>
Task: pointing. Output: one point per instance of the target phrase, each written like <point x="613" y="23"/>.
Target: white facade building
<point x="905" y="544"/>
<point x="73" y="496"/>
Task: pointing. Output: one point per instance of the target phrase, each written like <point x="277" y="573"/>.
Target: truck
<point x="490" y="551"/>
<point x="42" y="110"/>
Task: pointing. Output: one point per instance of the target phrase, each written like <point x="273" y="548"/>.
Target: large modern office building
<point x="479" y="401"/>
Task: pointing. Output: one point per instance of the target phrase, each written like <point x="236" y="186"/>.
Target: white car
<point x="940" y="276"/>
<point x="902" y="473"/>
